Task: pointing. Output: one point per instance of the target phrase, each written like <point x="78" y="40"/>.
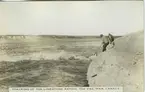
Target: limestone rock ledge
<point x="121" y="65"/>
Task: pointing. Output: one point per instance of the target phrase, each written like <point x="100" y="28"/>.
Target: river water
<point x="45" y="62"/>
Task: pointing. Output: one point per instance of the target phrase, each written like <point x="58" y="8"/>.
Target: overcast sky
<point x="71" y="18"/>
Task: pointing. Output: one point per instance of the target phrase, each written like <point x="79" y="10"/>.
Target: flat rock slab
<point x="120" y="66"/>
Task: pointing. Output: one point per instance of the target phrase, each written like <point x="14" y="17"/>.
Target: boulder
<point x="120" y="66"/>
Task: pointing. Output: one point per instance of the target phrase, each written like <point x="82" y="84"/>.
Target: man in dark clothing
<point x="105" y="42"/>
<point x="111" y="39"/>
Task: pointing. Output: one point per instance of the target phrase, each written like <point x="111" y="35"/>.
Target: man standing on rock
<point x="111" y="39"/>
<point x="105" y="42"/>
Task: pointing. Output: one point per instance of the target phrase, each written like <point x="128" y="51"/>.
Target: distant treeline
<point x="11" y="36"/>
<point x="51" y="36"/>
<point x="64" y="36"/>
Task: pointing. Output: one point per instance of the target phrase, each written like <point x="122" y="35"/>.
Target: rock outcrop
<point x="121" y="65"/>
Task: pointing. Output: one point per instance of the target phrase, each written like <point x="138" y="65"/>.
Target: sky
<point x="71" y="18"/>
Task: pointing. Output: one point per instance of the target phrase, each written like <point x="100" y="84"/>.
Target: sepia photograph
<point x="72" y="44"/>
